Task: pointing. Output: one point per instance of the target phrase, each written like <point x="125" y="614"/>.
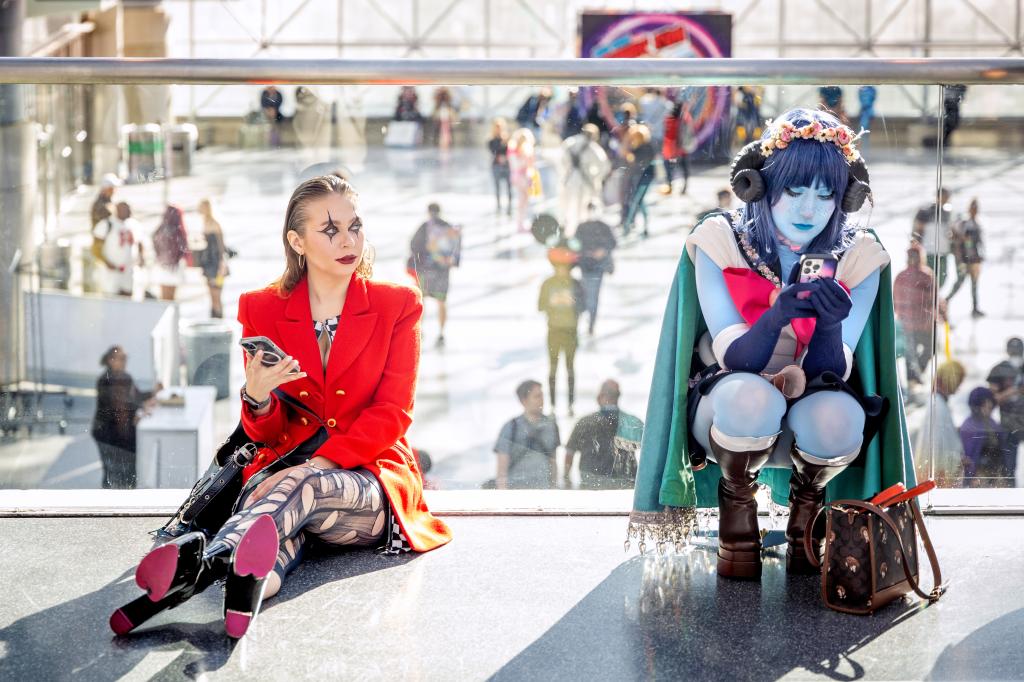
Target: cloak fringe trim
<point x="670" y="528"/>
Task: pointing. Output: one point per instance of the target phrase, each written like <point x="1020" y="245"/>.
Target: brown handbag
<point x="870" y="555"/>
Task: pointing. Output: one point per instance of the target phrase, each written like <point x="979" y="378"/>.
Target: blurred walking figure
<point x="103" y="205"/>
<point x="679" y="142"/>
<point x="271" y="100"/>
<point x="436" y="249"/>
<point x="1006" y="380"/>
<point x="652" y="110"/>
<point x="527" y="444"/>
<point x="444" y="117"/>
<point x="523" y="171"/>
<point x="939" y="454"/>
<point x="118" y="400"/>
<point x="748" y="114"/>
<point x="215" y="260"/>
<point x="640" y="157"/>
<point x="968" y="253"/>
<point x="561" y="299"/>
<point x="583" y="168"/>
<point x="597" y="242"/>
<point x="986" y="461"/>
<point x="724" y="205"/>
<point x="498" y="146"/>
<point x="115" y="244"/>
<point x="607" y="441"/>
<point x="913" y="294"/>
<point x="952" y="96"/>
<point x="170" y="246"/>
<point x="935" y="238"/>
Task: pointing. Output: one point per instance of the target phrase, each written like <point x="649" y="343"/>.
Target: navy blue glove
<point x="752" y="351"/>
<point x="825" y="350"/>
<point x="831" y="303"/>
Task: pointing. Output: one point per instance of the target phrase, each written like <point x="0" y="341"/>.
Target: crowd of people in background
<point x="118" y="251"/>
<point x="602" y="172"/>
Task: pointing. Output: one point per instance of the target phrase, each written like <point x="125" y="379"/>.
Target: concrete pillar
<point x="17" y="186"/>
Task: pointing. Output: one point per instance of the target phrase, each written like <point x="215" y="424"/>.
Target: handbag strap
<point x="937" y="590"/>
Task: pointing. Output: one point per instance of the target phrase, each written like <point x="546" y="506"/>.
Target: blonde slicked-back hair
<point x="295" y="218"/>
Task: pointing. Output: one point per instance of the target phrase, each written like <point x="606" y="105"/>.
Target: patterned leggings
<point x="340" y="506"/>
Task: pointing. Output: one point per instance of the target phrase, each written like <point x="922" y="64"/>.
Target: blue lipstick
<point x="803" y="226"/>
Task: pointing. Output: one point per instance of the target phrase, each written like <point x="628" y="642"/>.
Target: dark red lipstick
<point x="347" y="260"/>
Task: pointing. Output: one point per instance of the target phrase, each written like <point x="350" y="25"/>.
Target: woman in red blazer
<point x="353" y="350"/>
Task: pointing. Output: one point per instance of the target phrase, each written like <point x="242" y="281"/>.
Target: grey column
<point x="17" y="171"/>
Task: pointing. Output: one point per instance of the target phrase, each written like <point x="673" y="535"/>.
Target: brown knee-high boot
<point x="739" y="541"/>
<point x="806" y="496"/>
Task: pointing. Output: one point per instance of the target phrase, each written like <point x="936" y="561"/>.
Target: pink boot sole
<point x="257" y="550"/>
<point x="156" y="571"/>
<point x="120" y="623"/>
<point x="254" y="556"/>
<point x="236" y="624"/>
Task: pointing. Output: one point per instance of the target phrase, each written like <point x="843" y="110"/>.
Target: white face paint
<point x="801" y="213"/>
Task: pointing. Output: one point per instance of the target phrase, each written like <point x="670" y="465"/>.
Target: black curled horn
<point x="858" y="188"/>
<point x="745" y="174"/>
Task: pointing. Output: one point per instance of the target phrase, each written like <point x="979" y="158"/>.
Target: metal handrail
<point x="74" y="70"/>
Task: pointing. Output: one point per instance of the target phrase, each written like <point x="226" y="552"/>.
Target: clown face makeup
<point x="333" y="241"/>
<point x="801" y="213"/>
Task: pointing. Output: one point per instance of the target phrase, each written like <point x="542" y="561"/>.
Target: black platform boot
<point x="739" y="541"/>
<point x="806" y="496"/>
<point x="251" y="562"/>
<point x="171" y="574"/>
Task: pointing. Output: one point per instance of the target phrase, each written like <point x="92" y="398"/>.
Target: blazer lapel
<point x="297" y="331"/>
<point x="355" y="327"/>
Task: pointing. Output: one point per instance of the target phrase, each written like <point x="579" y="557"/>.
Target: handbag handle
<point x="938" y="589"/>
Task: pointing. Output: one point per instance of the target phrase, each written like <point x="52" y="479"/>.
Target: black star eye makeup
<point x="331" y="230"/>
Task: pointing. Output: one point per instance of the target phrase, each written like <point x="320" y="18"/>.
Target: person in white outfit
<point x="582" y="170"/>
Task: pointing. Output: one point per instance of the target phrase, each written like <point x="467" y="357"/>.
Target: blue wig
<point x="798" y="165"/>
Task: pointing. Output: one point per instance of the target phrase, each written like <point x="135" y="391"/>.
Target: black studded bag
<point x="870" y="556"/>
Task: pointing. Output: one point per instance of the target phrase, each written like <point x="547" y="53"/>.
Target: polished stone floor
<point x="511" y="598"/>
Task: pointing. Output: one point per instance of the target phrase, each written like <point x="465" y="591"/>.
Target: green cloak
<point x="668" y="492"/>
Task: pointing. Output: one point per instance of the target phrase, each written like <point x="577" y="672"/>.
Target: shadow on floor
<point x="988" y="653"/>
<point x="73" y="639"/>
<point x="674" y="618"/>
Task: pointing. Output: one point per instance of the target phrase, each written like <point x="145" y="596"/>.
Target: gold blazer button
<point x="332" y="423"/>
<point x="303" y="394"/>
<point x="339" y="392"/>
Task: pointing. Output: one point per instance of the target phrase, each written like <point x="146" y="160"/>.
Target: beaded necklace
<point x="753" y="257"/>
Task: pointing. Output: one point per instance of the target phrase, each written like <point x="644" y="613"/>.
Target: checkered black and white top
<point x="394" y="540"/>
<point x="329" y="325"/>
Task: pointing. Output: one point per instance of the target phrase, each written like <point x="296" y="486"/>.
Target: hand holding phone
<point x="272" y="354"/>
<point x="815" y="266"/>
<point x="274" y="368"/>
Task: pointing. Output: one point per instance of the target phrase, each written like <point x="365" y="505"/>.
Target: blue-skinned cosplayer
<point x="759" y="377"/>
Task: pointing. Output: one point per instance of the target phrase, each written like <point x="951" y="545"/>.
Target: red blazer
<point x="367" y="397"/>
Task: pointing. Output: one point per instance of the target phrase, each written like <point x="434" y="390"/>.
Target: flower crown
<point x="841" y="136"/>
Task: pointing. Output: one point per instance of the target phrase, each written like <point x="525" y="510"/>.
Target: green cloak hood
<point x="668" y="492"/>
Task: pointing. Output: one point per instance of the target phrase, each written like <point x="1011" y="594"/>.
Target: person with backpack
<point x="527" y="444"/>
<point x="678" y="142"/>
<point x="583" y="168"/>
<point x="436" y="249"/>
<point x="533" y="110"/>
<point x="561" y="299"/>
<point x="607" y="441"/>
<point x="170" y="245"/>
